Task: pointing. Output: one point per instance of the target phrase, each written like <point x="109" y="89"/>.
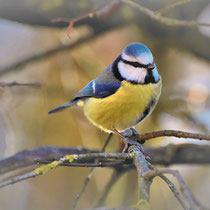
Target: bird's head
<point x="136" y="64"/>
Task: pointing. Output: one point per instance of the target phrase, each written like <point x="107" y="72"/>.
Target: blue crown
<point x="135" y="49"/>
<point x="139" y="51"/>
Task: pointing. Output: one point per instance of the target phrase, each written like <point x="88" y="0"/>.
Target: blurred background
<point x="35" y="50"/>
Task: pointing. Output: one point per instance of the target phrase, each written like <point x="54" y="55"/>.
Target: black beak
<point x="151" y="67"/>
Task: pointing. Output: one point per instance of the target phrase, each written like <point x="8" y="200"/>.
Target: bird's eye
<point x="150" y="67"/>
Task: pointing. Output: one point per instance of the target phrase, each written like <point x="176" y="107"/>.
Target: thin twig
<point x="193" y="202"/>
<point x="105" y="11"/>
<point x="88" y="178"/>
<point x="173" y="133"/>
<point x="163" y="20"/>
<point x="171" y="6"/>
<point x="174" y="191"/>
<point x="14" y="83"/>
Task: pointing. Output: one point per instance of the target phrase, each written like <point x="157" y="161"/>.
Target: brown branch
<point x="14" y="83"/>
<point x="39" y="171"/>
<point x="103" y="12"/>
<point x="76" y="157"/>
<point x="146" y="173"/>
<point x="167" y="155"/>
<point x="173" y="133"/>
<point x="163" y="20"/>
<point x="32" y="157"/>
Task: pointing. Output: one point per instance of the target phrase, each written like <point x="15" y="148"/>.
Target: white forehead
<point x="137" y="52"/>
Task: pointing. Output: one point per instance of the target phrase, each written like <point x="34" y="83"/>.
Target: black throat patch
<point x="115" y="69"/>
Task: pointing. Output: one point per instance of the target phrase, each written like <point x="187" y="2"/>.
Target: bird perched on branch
<point x="124" y="94"/>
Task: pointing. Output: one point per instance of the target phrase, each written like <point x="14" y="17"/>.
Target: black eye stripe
<point x="135" y="64"/>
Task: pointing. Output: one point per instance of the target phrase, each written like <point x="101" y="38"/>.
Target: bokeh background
<point x="182" y="55"/>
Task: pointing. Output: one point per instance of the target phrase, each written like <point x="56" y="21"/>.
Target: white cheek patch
<point x="132" y="73"/>
<point x="144" y="59"/>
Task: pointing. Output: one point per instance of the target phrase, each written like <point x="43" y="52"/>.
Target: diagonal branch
<point x="103" y="12"/>
<point x="171" y="6"/>
<point x="174" y="191"/>
<point x="39" y="171"/>
<point x="161" y="19"/>
<point x="194" y="204"/>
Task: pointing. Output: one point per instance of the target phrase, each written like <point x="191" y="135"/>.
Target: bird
<point x="123" y="95"/>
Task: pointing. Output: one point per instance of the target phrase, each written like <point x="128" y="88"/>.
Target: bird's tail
<point x="64" y="106"/>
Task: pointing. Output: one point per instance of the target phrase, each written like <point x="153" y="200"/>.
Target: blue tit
<point x="124" y="94"/>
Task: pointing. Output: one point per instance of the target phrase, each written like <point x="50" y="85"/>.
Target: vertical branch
<point x="144" y="180"/>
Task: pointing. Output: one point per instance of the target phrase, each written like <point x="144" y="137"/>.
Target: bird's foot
<point x="126" y="138"/>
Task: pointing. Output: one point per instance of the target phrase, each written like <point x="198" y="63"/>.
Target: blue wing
<point x="92" y="89"/>
<point x="98" y="90"/>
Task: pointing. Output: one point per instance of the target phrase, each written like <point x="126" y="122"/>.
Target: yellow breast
<point x="123" y="109"/>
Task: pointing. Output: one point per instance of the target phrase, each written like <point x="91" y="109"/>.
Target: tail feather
<point x="64" y="106"/>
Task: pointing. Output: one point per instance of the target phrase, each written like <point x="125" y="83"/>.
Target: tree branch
<point x="167" y="155"/>
<point x="174" y="191"/>
<point x="194" y="204"/>
<point x="163" y="20"/>
<point x="14" y="83"/>
<point x="144" y="182"/>
<point x="32" y="157"/>
<point x="171" y="6"/>
<point x="39" y="171"/>
<point x="146" y="173"/>
<point x="173" y="133"/>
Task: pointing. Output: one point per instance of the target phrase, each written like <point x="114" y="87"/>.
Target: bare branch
<point x="105" y="11"/>
<point x="67" y="158"/>
<point x="173" y="133"/>
<point x="174" y="191"/>
<point x="14" y="83"/>
<point x="38" y="171"/>
<point x="163" y="20"/>
<point x="167" y="155"/>
<point x="32" y="157"/>
<point x="194" y="204"/>
<point x="171" y="6"/>
<point x="143" y="169"/>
